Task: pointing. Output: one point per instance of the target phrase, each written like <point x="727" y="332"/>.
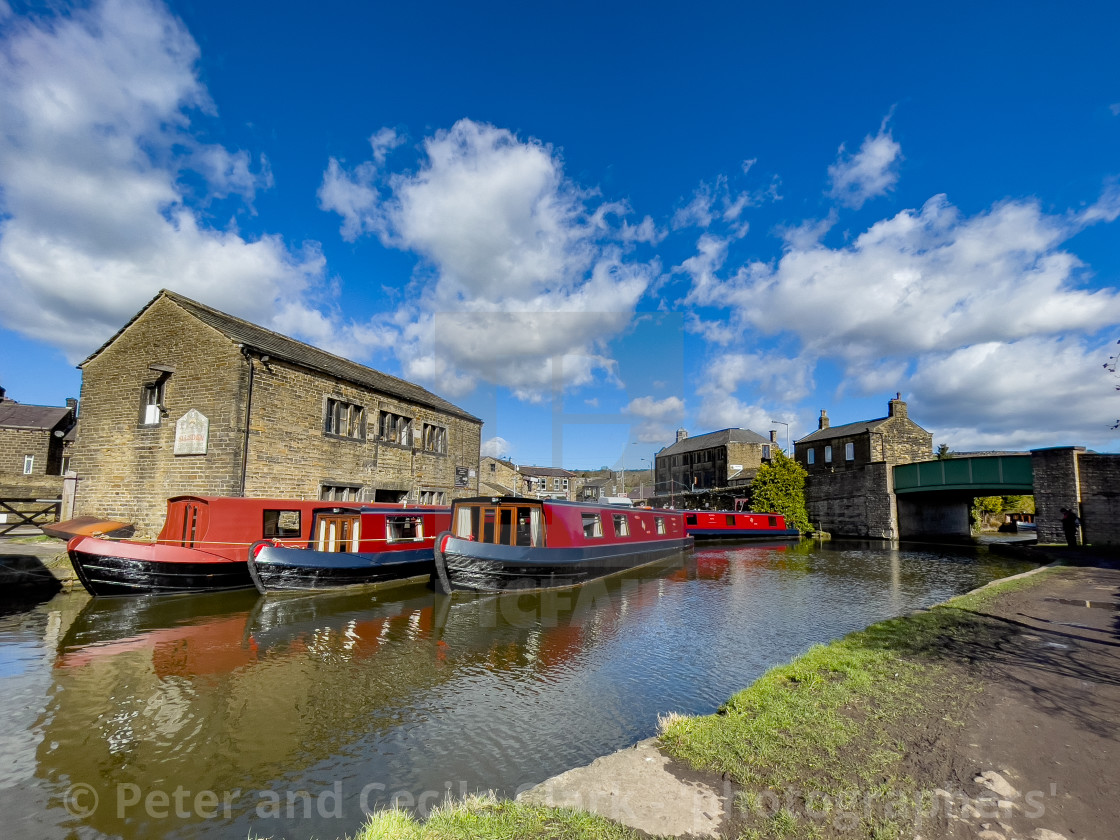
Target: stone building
<point x="848" y="490"/>
<point x="498" y="477"/>
<point x="33" y="437"/>
<point x="187" y="399"/>
<point x="715" y="460"/>
<point x="548" y="482"/>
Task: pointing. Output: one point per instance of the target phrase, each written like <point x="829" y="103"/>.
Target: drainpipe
<point x="247" y="353"/>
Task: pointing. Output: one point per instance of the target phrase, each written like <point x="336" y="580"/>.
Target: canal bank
<point x="994" y="715"/>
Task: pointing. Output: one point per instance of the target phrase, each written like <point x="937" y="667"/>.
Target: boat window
<point x="489" y="515"/>
<point x="621" y="525"/>
<point x="403" y="528"/>
<point x="337" y="533"/>
<point x="730" y="519"/>
<point x="773" y="521"/>
<point x="529" y="526"/>
<point x="281" y="523"/>
<point x="690" y="519"/>
<point x="505" y="526"/>
<point x="660" y="522"/>
<point x="592" y="525"/>
<point x="464" y="519"/>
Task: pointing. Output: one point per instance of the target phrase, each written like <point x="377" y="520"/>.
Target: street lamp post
<point x="780" y="423"/>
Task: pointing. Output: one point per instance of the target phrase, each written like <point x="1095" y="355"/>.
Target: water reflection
<point x="293" y="715"/>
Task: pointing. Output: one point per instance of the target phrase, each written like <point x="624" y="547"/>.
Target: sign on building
<point x="192" y="432"/>
<point x="462" y="477"/>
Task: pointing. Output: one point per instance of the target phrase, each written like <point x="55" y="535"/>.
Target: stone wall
<point x="855" y="502"/>
<point x="1055" y="487"/>
<point x="16" y="444"/>
<point x="500" y="474"/>
<point x="1100" y="498"/>
<point x="126" y="468"/>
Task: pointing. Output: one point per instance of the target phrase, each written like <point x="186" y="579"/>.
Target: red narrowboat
<point x="737" y="525"/>
<point x="509" y="543"/>
<point x="204" y="546"/>
<point x="371" y="544"/>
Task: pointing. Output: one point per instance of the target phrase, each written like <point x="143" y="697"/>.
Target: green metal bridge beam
<point x="986" y="475"/>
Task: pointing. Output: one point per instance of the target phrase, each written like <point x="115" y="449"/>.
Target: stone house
<point x="711" y="461"/>
<point x="33" y="438"/>
<point x="187" y="399"/>
<point x="498" y="477"/>
<point x="848" y="490"/>
<point x="548" y="483"/>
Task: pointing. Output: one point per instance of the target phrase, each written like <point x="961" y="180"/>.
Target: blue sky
<point x="589" y="224"/>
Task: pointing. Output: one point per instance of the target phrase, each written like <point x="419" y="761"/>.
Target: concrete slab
<point x="638" y="788"/>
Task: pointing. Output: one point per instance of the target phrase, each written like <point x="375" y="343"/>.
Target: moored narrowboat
<point x="371" y="544"/>
<point x="737" y="525"/>
<point x="203" y="546"/>
<point x="508" y="543"/>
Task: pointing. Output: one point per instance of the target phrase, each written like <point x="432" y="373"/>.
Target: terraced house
<point x="187" y="399"/>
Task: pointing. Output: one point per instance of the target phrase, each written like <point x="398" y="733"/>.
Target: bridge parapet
<point x="984" y="475"/>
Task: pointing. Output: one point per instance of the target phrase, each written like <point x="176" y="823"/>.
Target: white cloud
<point x="496" y="447"/>
<point x="1039" y="391"/>
<point x="669" y="409"/>
<point x="870" y="172"/>
<point x="527" y="279"/>
<point x="1115" y="109"/>
<point x="97" y="140"/>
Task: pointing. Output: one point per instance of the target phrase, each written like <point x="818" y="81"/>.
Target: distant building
<point x="33" y="438"/>
<point x="597" y="487"/>
<point x="848" y="490"/>
<point x="548" y="482"/>
<point x="498" y="477"/>
<point x="187" y="399"/>
<point x="715" y="460"/>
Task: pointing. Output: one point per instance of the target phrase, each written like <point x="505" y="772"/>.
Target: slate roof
<point x="548" y="472"/>
<point x="14" y="415"/>
<point x="707" y="441"/>
<point x="289" y="349"/>
<point x="846" y="430"/>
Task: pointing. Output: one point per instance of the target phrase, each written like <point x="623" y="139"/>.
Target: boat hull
<point x="119" y="568"/>
<point x="469" y="566"/>
<point x="739" y="534"/>
<point x="283" y="569"/>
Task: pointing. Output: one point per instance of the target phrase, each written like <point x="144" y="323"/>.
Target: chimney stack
<point x="896" y="407"/>
<point x="1" y="394"/>
<point x="681" y="435"/>
<point x="773" y="435"/>
<point x="72" y="404"/>
<point x="823" y="422"/>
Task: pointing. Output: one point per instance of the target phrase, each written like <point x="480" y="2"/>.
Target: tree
<point x="943" y="453"/>
<point x="984" y="507"/>
<point x="779" y="487"/>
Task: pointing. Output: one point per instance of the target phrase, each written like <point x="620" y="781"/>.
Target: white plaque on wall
<point x="192" y="431"/>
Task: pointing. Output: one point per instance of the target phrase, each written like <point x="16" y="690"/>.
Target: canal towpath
<point x="1031" y="754"/>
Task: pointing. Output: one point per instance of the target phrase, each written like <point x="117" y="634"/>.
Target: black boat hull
<point x="280" y="569"/>
<point x="728" y="535"/>
<point x="469" y="566"/>
<point x="106" y="575"/>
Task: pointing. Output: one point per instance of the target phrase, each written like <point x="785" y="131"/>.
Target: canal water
<point x="229" y="715"/>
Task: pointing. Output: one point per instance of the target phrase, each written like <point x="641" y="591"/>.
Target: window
<point x="730" y="519"/>
<point x="828" y="454"/>
<point x="849" y="451"/>
<point x="344" y="419"/>
<point x="690" y="519"/>
<point x="337" y="533"/>
<point x="621" y="525"/>
<point x="660" y="522"/>
<point x="432" y="497"/>
<point x="404" y="528"/>
<point x="65" y="465"/>
<point x="773" y="521"/>
<point x="395" y="428"/>
<point x="340" y="492"/>
<point x="281" y="524"/>
<point x="435" y="439"/>
<point x="152" y="409"/>
<point x="811" y="456"/>
<point x="493" y="467"/>
<point x="28" y="464"/>
<point x="592" y="525"/>
<point x="765" y="452"/>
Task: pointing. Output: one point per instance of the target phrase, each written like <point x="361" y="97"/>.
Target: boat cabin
<point x="369" y="529"/>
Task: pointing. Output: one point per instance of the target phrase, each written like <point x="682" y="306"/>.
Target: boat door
<point x="501" y="524"/>
<point x="186" y="523"/>
<point x="336" y="531"/>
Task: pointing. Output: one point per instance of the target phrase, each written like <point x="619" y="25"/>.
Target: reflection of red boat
<point x="737" y="525"/>
<point x="204" y="546"/>
<point x="510" y="543"/>
<point x="366" y="545"/>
